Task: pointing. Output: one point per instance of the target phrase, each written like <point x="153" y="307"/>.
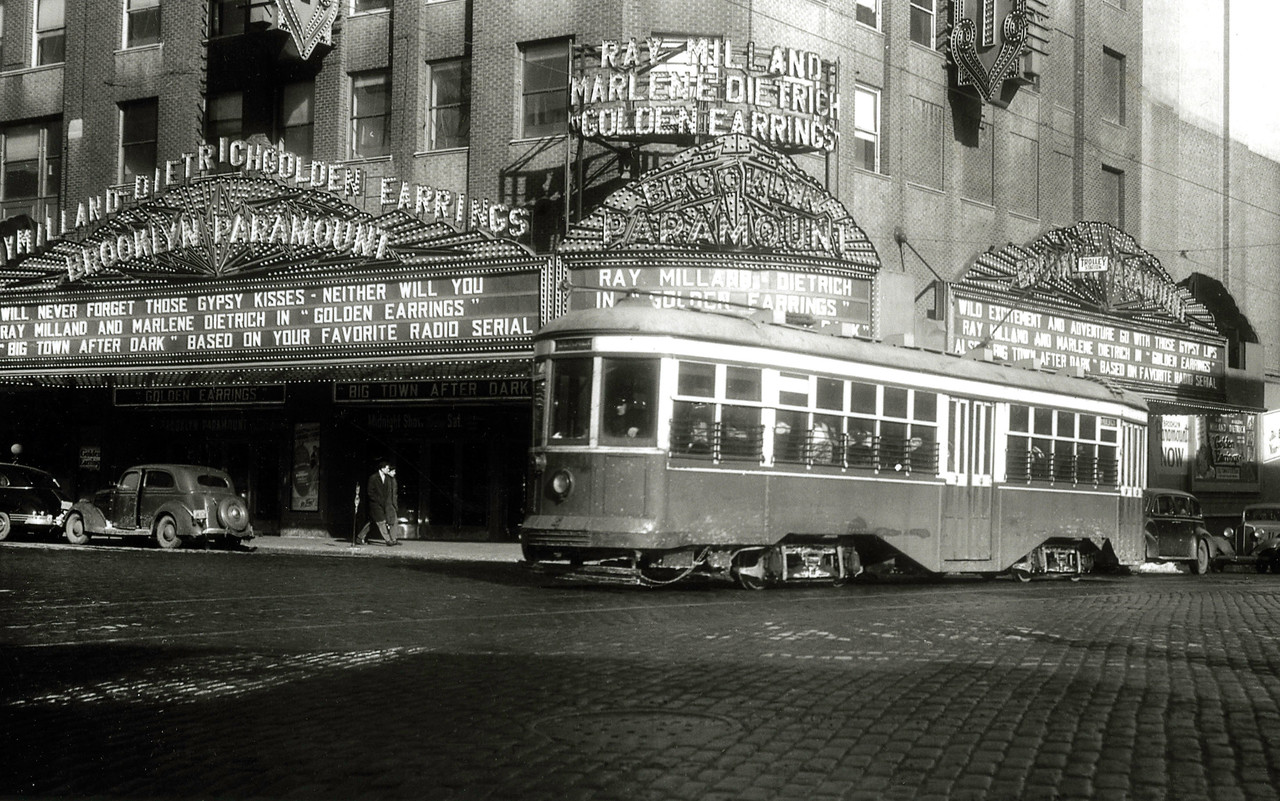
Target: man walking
<point x="382" y="510"/>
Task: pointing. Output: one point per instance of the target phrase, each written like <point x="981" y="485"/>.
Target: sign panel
<point x="1271" y="436"/>
<point x="1226" y="452"/>
<point x="1130" y="355"/>
<point x="249" y="395"/>
<point x="1175" y="446"/>
<point x="447" y="390"/>
<point x="375" y="317"/>
<point x="659" y="87"/>
<point x="830" y="300"/>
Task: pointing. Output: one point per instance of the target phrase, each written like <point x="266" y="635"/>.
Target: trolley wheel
<point x="1201" y="565"/>
<point x="167" y="533"/>
<point x="749" y="581"/>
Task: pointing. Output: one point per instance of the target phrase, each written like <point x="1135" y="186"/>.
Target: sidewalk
<point x="433" y="550"/>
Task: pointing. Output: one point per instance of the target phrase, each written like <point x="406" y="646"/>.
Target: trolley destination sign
<point x="1103" y="348"/>
<point x="375" y="317"/>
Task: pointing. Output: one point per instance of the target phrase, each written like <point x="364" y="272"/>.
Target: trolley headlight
<point x="562" y="484"/>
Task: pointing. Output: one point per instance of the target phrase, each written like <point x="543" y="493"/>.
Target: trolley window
<point x="570" y="399"/>
<point x="629" y="400"/>
<point x="716" y="412"/>
<point x="1061" y="446"/>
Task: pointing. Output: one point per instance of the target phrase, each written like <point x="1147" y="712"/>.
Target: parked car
<point x="1176" y="532"/>
<point x="171" y="502"/>
<point x="31" y="501"/>
<point x="1257" y="537"/>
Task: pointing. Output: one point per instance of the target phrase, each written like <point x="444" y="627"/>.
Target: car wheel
<point x="74" y="529"/>
<point x="6" y="526"/>
<point x="1201" y="565"/>
<point x="233" y="514"/>
<point x="167" y="533"/>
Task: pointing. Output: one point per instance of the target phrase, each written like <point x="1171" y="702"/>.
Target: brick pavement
<point x="481" y="685"/>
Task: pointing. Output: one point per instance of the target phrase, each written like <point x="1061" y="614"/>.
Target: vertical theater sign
<point x="986" y="44"/>
<point x="1086" y="299"/>
<point x="730" y="224"/>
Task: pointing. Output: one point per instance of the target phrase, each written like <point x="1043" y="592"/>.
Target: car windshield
<point x="1268" y="513"/>
<point x="217" y="482"/>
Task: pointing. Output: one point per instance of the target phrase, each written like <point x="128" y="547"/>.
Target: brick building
<point x="476" y="98"/>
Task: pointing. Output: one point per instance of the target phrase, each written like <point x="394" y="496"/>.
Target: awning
<point x="1163" y="406"/>
<point x="499" y="366"/>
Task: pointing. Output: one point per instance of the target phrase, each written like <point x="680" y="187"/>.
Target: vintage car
<point x="31" y="501"/>
<point x="171" y="502"/>
<point x="1257" y="537"/>
<point x="1176" y="532"/>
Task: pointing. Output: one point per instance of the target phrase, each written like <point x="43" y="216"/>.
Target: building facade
<point x="465" y="153"/>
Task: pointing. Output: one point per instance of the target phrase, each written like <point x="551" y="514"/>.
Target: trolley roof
<point x="638" y="317"/>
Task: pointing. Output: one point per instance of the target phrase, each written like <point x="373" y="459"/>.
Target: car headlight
<point x="562" y="483"/>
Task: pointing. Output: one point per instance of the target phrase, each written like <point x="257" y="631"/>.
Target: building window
<point x="866" y="127"/>
<point x="138" y="138"/>
<point x="544" y="89"/>
<point x="223" y="116"/>
<point x="866" y="12"/>
<point x="30" y="169"/>
<point x="51" y="32"/>
<point x="978" y="163"/>
<point x="1024" y="175"/>
<point x="449" y="120"/>
<point x="2" y="61"/>
<point x="1111" y="201"/>
<point x="297" y="117"/>
<point x="231" y="17"/>
<point x="361" y="6"/>
<point x="925" y="143"/>
<point x="141" y="22"/>
<point x="923" y="13"/>
<point x="1111" y="101"/>
<point x="370" y="113"/>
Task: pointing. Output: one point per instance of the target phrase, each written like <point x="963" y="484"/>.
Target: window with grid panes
<point x="544" y="89"/>
<point x="51" y="32"/>
<point x="449" y="118"/>
<point x="141" y="22"/>
<point x="297" y="117"/>
<point x="1062" y="447"/>
<point x="30" y="168"/>
<point x="138" y="138"/>
<point x="866" y="127"/>
<point x="370" y="113"/>
<point x="923" y="30"/>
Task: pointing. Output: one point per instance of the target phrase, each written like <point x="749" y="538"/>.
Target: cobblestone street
<point x="134" y="673"/>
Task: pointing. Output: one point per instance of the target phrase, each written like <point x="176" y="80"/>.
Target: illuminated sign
<point x="831" y="300"/>
<point x="378" y="317"/>
<point x="1100" y="347"/>
<point x="729" y="195"/>
<point x="986" y="43"/>
<point x="250" y="395"/>
<point x="309" y="24"/>
<point x="457" y="390"/>
<point x="259" y="159"/>
<point x="659" y="87"/>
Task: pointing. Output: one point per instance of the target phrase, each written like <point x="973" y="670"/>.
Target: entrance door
<point x="458" y="488"/>
<point x="968" y="496"/>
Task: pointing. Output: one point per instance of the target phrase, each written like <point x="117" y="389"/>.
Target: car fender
<point x="94" y="521"/>
<point x="181" y="517"/>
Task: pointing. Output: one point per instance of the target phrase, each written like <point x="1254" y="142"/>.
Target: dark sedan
<point x="174" y="503"/>
<point x="31" y="501"/>
<point x="1257" y="537"/>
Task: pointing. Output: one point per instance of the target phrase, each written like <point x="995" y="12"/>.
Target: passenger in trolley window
<point x="630" y="419"/>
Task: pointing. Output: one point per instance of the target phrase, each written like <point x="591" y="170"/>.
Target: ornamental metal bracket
<point x="310" y="22"/>
<point x="981" y="61"/>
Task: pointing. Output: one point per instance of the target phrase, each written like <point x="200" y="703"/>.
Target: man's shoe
<point x="393" y="542"/>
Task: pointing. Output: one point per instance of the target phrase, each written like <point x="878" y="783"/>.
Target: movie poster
<point x="305" y="487"/>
